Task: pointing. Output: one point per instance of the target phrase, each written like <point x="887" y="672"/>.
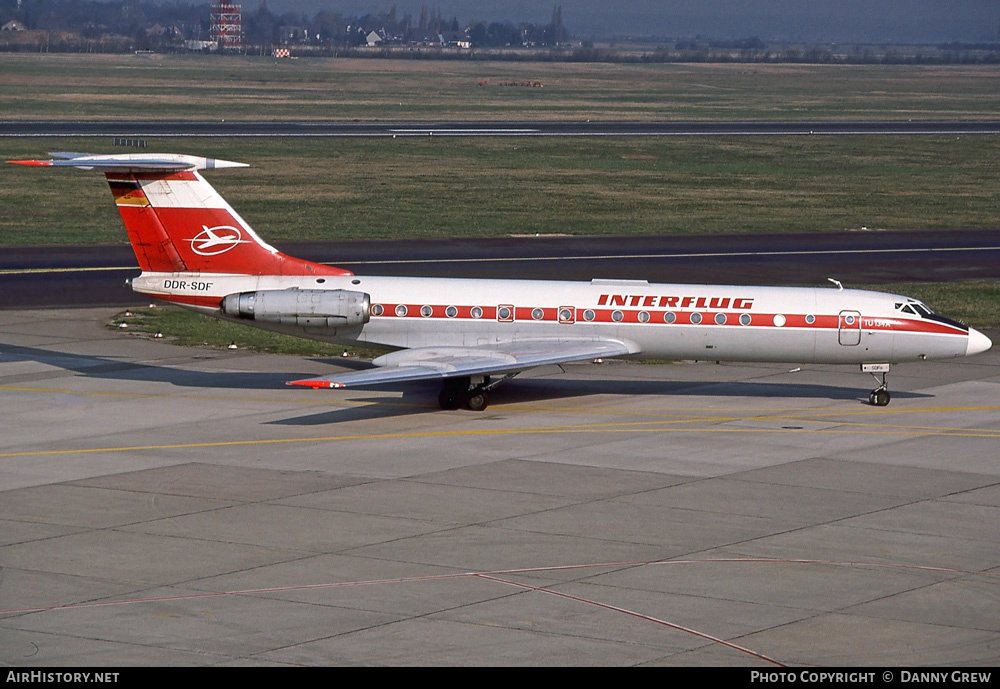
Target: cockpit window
<point x="920" y="310"/>
<point x="914" y="308"/>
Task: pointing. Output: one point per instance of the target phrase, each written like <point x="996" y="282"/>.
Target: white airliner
<point x="194" y="250"/>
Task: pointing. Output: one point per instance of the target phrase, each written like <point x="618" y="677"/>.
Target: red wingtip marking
<point x="31" y="162"/>
<point x="315" y="384"/>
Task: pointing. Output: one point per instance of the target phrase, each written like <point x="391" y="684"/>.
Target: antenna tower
<point x="227" y="27"/>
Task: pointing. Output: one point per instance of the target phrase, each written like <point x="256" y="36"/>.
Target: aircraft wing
<point x="430" y="363"/>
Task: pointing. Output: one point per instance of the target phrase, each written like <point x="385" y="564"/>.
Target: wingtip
<point x="216" y="163"/>
<point x="315" y="384"/>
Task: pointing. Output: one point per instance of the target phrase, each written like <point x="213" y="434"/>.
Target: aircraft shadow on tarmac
<point x="115" y="369"/>
<point x="416" y="398"/>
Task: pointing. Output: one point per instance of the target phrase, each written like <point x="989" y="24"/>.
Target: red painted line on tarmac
<point x="641" y="616"/>
<point x="496" y="576"/>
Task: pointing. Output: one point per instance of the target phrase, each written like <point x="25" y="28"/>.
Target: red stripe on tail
<point x="177" y="222"/>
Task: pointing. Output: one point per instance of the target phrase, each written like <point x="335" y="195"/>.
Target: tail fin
<point x="178" y="223"/>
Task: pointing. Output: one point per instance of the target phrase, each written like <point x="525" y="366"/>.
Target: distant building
<point x="456" y="39"/>
<point x="162" y="31"/>
<point x="426" y="37"/>
<point x="373" y="39"/>
<point x="294" y="34"/>
<point x="201" y="46"/>
<point x="14" y="25"/>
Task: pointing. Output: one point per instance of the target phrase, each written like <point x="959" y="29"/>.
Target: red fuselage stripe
<point x="623" y="316"/>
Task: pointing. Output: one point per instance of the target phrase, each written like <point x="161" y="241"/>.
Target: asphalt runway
<point x="95" y="275"/>
<point x="313" y="128"/>
<point x="171" y="506"/>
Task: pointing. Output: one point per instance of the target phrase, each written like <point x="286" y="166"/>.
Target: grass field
<point x="195" y="87"/>
<point x="192" y="329"/>
<point x="336" y="188"/>
<point x="381" y="188"/>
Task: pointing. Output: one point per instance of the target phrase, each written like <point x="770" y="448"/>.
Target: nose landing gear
<point x="880" y="396"/>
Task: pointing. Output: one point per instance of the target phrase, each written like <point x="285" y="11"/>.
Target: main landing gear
<point x="880" y="396"/>
<point x="471" y="393"/>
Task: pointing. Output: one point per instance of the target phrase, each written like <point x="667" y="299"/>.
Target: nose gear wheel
<point x="880" y="396"/>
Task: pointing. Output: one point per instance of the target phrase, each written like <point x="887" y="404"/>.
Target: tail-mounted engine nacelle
<point x="315" y="308"/>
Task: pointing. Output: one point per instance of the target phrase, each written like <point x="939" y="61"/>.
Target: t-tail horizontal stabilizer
<point x="132" y="162"/>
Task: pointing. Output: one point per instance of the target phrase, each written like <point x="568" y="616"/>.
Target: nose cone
<point x="977" y="342"/>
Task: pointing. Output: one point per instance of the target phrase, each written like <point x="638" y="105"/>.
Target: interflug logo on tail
<point x="212" y="241"/>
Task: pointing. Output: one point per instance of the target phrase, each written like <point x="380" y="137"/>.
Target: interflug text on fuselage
<point x="653" y="301"/>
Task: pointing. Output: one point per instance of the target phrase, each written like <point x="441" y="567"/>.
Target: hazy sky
<point x="924" y="21"/>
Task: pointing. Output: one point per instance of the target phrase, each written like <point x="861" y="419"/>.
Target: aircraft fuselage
<point x="664" y="321"/>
